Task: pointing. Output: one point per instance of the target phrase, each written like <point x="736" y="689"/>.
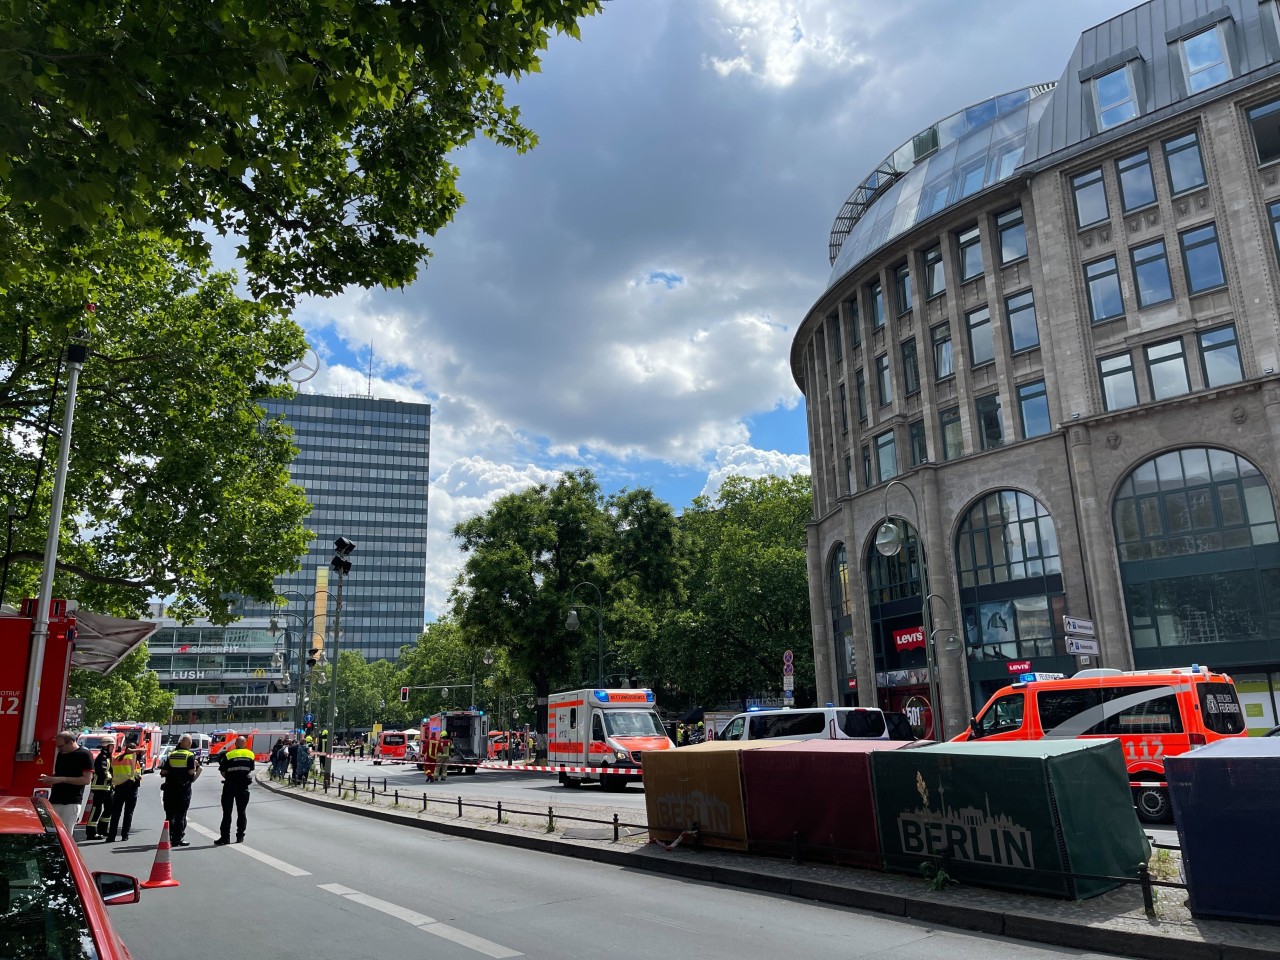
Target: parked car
<point x="51" y="904"/>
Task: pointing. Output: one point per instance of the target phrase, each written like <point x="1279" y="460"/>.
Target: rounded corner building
<point x="1049" y="349"/>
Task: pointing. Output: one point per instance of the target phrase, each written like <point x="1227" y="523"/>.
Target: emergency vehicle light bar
<point x="623" y="696"/>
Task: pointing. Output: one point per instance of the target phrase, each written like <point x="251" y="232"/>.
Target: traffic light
<point x="404" y="694"/>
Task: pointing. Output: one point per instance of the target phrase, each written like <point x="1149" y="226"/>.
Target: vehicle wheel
<point x="1152" y="804"/>
<point x="568" y="781"/>
<point x="611" y="783"/>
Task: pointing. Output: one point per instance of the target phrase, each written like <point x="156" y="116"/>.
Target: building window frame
<point x="884" y="382"/>
<point x="1137" y="182"/>
<point x="1176" y="151"/>
<point x="1011" y="230"/>
<point x="1033" y="398"/>
<point x="935" y="280"/>
<point x="968" y="241"/>
<point x="1098" y="277"/>
<point x="902" y="287"/>
<point x="1271" y="152"/>
<point x="1020" y="314"/>
<point x="989" y="420"/>
<point x="910" y="368"/>
<point x="1273" y="212"/>
<point x="1202" y="77"/>
<point x="886" y="456"/>
<point x="837" y="337"/>
<point x="844" y="409"/>
<point x="918" y="443"/>
<point x="875" y="294"/>
<point x="1117" y="368"/>
<point x="944" y="359"/>
<point x="860" y="394"/>
<point x="1193" y="242"/>
<point x="868" y="479"/>
<point x="855" y="327"/>
<point x="981" y="335"/>
<point x="951" y="433"/>
<point x="1147" y="260"/>
<point x="1214" y="343"/>
<point x="1174" y="353"/>
<point x="1115" y="109"/>
<point x="1087" y="189"/>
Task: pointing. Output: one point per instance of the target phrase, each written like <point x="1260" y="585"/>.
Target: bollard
<point x="1148" y="901"/>
<point x="397" y="798"/>
<point x="424" y="802"/>
<point x="615" y="828"/>
<point x="551" y="818"/>
<point x="368" y="782"/>
<point x="384" y="784"/>
<point x="499" y="811"/>
<point x="459" y="805"/>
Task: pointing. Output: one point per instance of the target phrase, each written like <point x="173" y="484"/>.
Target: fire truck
<point x="602" y="730"/>
<point x="468" y="732"/>
<point x="144" y="739"/>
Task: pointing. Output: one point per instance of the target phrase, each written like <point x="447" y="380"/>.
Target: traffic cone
<point x="161" y="871"/>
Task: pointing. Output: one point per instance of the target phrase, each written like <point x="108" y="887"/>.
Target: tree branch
<point x="85" y="574"/>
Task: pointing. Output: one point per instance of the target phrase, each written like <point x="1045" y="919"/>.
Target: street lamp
<point x="342" y="548"/>
<point x="571" y="623"/>
<point x="890" y="540"/>
<point x="297" y="662"/>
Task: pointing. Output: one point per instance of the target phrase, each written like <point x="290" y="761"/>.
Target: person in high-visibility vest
<point x="100" y="793"/>
<point x="126" y="774"/>
<point x="431" y="755"/>
<point x="236" y="768"/>
<point x="179" y="770"/>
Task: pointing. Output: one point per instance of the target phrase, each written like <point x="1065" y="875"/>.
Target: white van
<point x="200" y="743"/>
<point x="818" y="723"/>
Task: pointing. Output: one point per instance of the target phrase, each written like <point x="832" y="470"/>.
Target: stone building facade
<point x="1049" y="348"/>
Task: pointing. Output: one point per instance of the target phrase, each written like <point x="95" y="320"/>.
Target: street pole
<point x="572" y="624"/>
<point x="28" y="749"/>
<point x="333" y="682"/>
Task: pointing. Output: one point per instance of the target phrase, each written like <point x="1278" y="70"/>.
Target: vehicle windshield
<point x="95" y="743"/>
<point x="632" y="723"/>
<point x="41" y="917"/>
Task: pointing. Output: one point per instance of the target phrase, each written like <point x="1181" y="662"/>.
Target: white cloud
<point x="776" y="40"/>
<point x="744" y="460"/>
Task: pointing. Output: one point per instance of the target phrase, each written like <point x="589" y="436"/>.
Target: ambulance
<point x="144" y="739"/>
<point x="607" y="730"/>
<point x="468" y="732"/>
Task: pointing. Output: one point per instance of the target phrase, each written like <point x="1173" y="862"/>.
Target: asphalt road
<point x="316" y="884"/>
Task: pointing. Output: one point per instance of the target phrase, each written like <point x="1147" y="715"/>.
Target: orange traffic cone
<point x="161" y="871"/>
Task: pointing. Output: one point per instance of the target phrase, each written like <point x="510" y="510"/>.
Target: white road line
<point x="258" y="855"/>
<point x="424" y="923"/>
<point x="664" y="921"/>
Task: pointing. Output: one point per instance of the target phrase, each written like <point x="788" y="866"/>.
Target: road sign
<point x="788" y="698"/>
<point x="788" y="658"/>
<point x="309" y="718"/>
<point x="788" y="670"/>
<point x="1082" y="645"/>
<point x="788" y="684"/>
<point x="1083" y="628"/>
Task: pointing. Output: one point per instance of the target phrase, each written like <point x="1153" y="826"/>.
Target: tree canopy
<point x="129" y="692"/>
<point x="177" y="485"/>
<point x="320" y="132"/>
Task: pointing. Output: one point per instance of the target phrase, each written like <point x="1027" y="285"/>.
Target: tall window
<point x="1103" y="281"/>
<point x="1186" y="169"/>
<point x="1220" y="356"/>
<point x="1010" y="578"/>
<point x="1021" y="311"/>
<point x="867" y="479"/>
<point x="844" y="410"/>
<point x="860" y="392"/>
<point x="886" y="456"/>
<point x="970" y="254"/>
<point x="1199" y="559"/>
<point x="855" y="325"/>
<point x="1119" y="389"/>
<point x="1273" y="211"/>
<point x="990" y="421"/>
<point x="1204" y="59"/>
<point x="848" y="474"/>
<point x="1033" y="404"/>
<point x="1115" y="98"/>
<point x="838" y="584"/>
<point x="1167" y="369"/>
<point x="1013" y="235"/>
<point x="1201" y="258"/>
<point x="1264" y="123"/>
<point x="837" y="341"/>
<point x="1091" y="198"/>
<point x="910" y="368"/>
<point x="1151" y="273"/>
<point x="876" y="294"/>
<point x="942" y="361"/>
<point x="902" y="287"/>
<point x="1137" y="188"/>
<point x="919" y="445"/>
<point x="934" y="278"/>
<point x="982" y="347"/>
<point x="884" y="389"/>
<point x="952" y="433"/>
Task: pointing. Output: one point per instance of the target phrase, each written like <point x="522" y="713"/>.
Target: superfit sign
<point x="908" y="639"/>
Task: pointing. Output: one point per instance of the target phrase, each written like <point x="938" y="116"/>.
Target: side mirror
<point x="973" y="727"/>
<point x="116" y="888"/>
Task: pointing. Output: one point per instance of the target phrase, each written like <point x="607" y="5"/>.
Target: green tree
<point x="129" y="692"/>
<point x="178" y="486"/>
<point x="319" y="131"/>
<point x="747" y="598"/>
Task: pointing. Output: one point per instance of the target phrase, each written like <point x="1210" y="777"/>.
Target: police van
<point x="818" y="723"/>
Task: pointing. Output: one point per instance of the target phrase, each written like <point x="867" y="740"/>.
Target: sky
<point x="624" y="296"/>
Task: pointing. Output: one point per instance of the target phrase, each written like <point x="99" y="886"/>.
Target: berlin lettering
<point x="1005" y="844"/>
<point x="247" y="700"/>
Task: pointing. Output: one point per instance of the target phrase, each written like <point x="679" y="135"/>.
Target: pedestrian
<point x="72" y="771"/>
<point x="179" y="771"/>
<point x="442" y="764"/>
<point x="279" y="759"/>
<point x="236" y="769"/>
<point x="531" y="750"/>
<point x="100" y="793"/>
<point x="679" y="734"/>
<point x="126" y="775"/>
<point x="360" y="747"/>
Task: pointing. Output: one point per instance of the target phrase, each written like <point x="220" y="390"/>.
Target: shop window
<point x="1137" y="187"/>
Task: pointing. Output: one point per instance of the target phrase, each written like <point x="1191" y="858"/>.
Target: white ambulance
<point x="602" y="730"/>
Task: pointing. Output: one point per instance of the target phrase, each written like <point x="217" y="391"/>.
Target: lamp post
<point x="297" y="663"/>
<point x="571" y="623"/>
<point x="342" y="548"/>
<point x="890" y="540"/>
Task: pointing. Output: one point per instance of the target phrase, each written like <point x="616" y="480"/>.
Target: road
<point x="316" y="884"/>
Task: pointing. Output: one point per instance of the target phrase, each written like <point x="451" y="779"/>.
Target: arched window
<point x="893" y="603"/>
<point x="1010" y="578"/>
<point x="1199" y="554"/>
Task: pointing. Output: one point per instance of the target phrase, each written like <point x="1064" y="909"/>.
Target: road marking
<point x="424" y="923"/>
<point x="663" y="920"/>
<point x="258" y="855"/>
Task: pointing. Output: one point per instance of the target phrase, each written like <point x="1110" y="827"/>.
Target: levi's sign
<point x="1018" y="666"/>
<point x="908" y="639"/>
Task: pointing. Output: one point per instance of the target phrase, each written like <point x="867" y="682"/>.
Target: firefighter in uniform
<point x="442" y="764"/>
<point x="236" y="768"/>
<point x="126" y="774"/>
<point x="179" y="770"/>
<point x="431" y="755"/>
<point x="100" y="793"/>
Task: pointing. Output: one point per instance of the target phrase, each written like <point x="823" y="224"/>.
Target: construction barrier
<point x="501" y="765"/>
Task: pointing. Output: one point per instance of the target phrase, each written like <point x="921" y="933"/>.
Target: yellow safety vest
<point x="123" y="769"/>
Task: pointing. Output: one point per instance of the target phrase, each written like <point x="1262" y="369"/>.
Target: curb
<point x="1017" y="926"/>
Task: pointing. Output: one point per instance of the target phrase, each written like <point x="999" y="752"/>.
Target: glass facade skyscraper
<point x="364" y="466"/>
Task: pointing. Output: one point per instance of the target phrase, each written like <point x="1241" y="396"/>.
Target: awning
<point x="103" y="641"/>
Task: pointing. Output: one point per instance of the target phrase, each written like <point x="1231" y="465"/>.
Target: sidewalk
<point x="1112" y="923"/>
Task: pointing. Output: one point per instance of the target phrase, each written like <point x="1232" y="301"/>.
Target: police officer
<point x="126" y="774"/>
<point x="180" y="770"/>
<point x="100" y="793"/>
<point x="236" y="767"/>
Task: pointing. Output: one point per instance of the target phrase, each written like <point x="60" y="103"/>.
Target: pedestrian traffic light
<point x="404" y="694"/>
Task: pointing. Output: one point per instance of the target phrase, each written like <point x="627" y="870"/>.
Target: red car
<point x="50" y="904"/>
